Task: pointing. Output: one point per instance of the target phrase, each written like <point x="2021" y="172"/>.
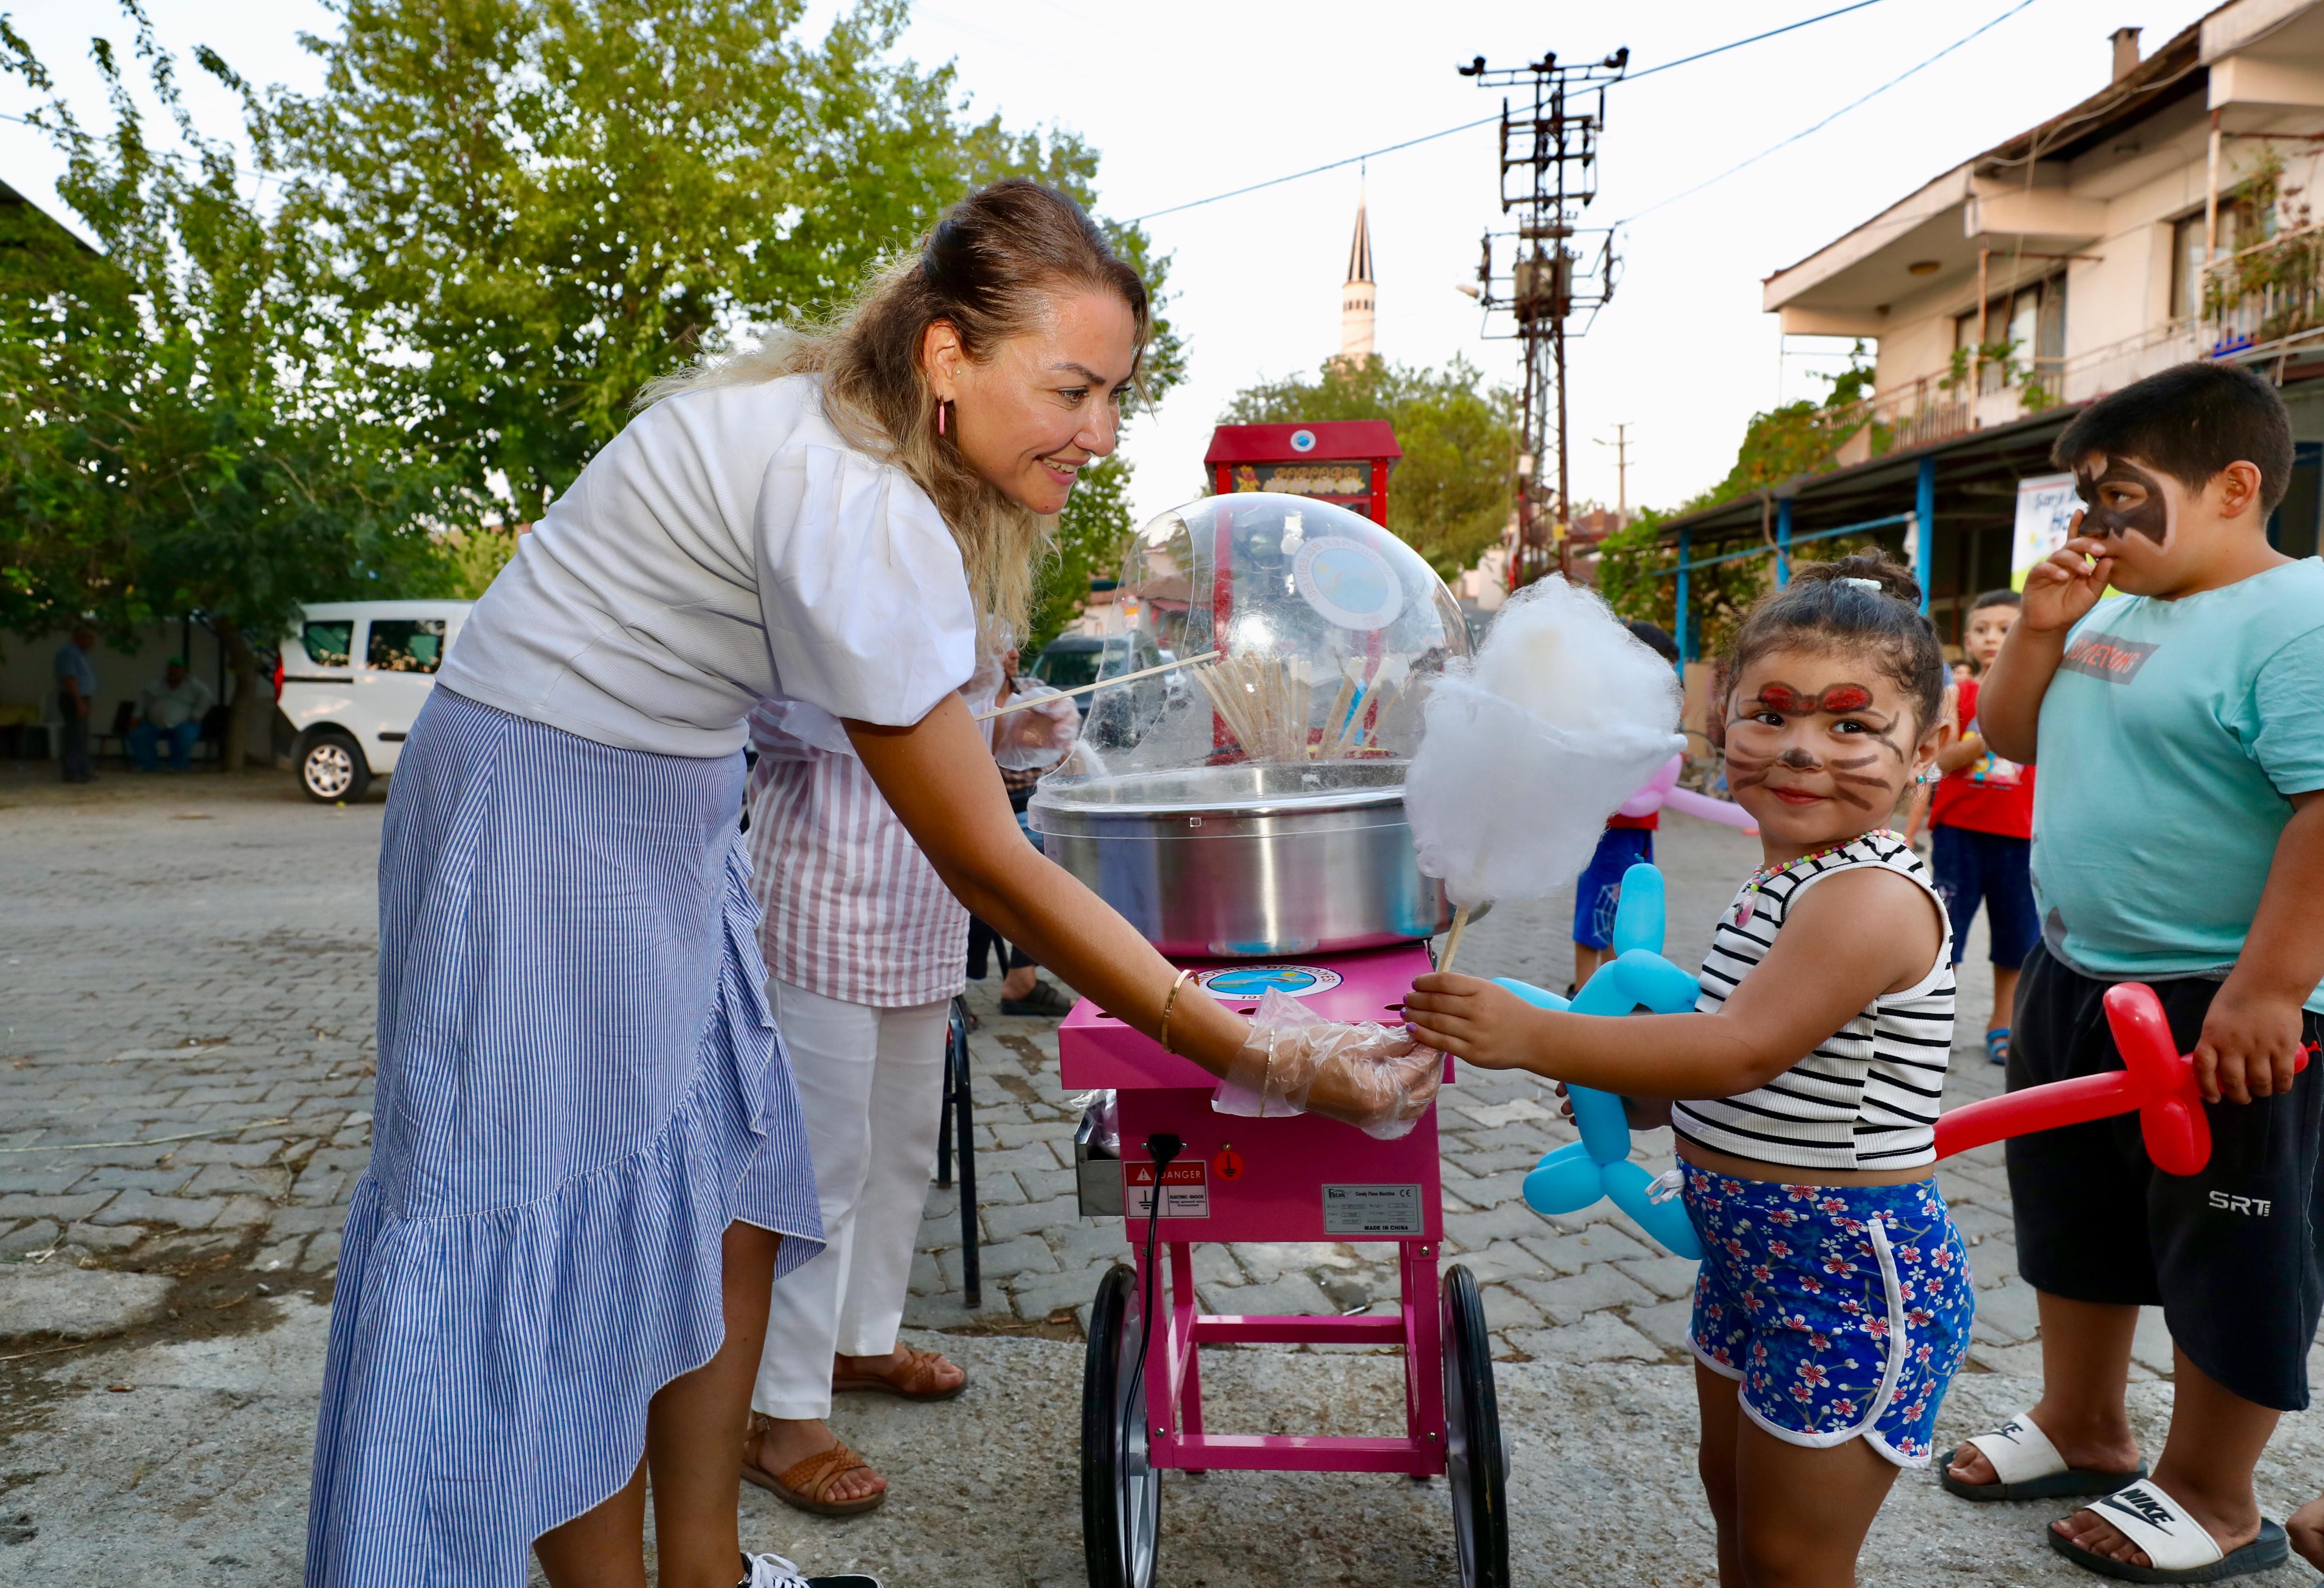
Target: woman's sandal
<point x="911" y="1380"/>
<point x="2027" y="1467"/>
<point x="2181" y="1549"/>
<point x="803" y="1485"/>
<point x="1997" y="1045"/>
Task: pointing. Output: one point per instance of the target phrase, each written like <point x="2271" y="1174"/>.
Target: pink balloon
<point x="1661" y="792"/>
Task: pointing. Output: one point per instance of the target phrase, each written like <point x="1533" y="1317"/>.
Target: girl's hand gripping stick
<point x="1661" y="792"/>
<point x="1598" y="1165"/>
<point x="2156" y="1079"/>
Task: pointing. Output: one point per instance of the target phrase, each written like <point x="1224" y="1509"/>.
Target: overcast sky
<point x="1202" y="96"/>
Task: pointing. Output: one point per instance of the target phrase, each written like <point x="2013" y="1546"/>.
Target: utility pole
<point x="1549" y="175"/>
<point x="1622" y="446"/>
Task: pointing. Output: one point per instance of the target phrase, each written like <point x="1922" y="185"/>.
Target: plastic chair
<point x="959" y="1122"/>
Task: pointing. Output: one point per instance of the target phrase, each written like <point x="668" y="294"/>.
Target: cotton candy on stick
<point x="1526" y="750"/>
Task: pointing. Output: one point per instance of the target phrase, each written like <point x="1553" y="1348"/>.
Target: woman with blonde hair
<point x="588" y="1164"/>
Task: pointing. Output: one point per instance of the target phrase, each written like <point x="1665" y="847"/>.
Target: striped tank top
<point x="1866" y="1098"/>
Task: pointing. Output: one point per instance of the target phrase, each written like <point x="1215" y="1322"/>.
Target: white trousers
<point x="871" y="1084"/>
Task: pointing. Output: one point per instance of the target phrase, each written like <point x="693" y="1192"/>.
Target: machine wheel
<point x="332" y="768"/>
<point x="1476" y="1461"/>
<point x="1121" y="1495"/>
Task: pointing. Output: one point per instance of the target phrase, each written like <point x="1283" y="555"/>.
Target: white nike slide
<point x="2178" y="1545"/>
<point x="2027" y="1466"/>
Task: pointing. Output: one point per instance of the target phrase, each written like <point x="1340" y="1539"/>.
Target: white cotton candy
<point x="1527" y="752"/>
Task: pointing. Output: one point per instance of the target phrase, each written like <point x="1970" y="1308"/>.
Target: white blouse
<point x="728" y="547"/>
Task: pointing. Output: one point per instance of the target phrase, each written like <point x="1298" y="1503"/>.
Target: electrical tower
<point x="1547" y="270"/>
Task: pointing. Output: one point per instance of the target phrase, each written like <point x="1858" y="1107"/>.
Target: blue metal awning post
<point x="1784" y="541"/>
<point x="1924" y="530"/>
<point x="1685" y="649"/>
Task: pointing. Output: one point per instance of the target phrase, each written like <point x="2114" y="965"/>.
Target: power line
<point x="1771" y="32"/>
<point x="1485" y="121"/>
<point x="1827" y="121"/>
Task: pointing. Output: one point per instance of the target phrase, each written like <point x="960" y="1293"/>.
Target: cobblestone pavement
<point x="181" y="956"/>
<point x="186" y="1005"/>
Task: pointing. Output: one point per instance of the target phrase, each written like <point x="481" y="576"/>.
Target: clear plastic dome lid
<point x="1328" y="632"/>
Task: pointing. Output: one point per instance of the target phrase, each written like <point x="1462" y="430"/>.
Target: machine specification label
<point x="1371" y="1210"/>
<point x="1185" y="1190"/>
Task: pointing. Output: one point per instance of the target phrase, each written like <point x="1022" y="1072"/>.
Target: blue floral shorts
<point x="1844" y="1310"/>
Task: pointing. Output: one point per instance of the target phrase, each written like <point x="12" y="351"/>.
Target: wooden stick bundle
<point x="1268" y="705"/>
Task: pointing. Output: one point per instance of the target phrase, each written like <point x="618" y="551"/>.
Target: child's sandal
<point x="2181" y="1549"/>
<point x="2027" y="1466"/>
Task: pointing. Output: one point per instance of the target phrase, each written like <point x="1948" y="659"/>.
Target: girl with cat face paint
<point x="1834" y="1306"/>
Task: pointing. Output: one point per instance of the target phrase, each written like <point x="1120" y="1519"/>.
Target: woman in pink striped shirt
<point x="866" y="948"/>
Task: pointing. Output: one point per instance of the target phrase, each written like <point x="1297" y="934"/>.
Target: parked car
<point x="1072" y="660"/>
<point x="352" y="678"/>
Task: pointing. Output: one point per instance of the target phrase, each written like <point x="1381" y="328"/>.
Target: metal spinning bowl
<point x="1249" y="861"/>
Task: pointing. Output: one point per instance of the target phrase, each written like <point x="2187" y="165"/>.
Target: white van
<point x="352" y="677"/>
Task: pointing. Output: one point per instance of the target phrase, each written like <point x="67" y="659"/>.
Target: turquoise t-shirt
<point x="2170" y="739"/>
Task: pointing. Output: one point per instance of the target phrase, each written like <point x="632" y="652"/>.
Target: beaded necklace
<point x="1744" y="909"/>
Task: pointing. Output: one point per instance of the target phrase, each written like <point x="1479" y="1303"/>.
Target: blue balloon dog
<point x="1598" y="1165"/>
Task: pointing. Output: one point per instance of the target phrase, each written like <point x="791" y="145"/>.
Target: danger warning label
<point x="1185" y="1190"/>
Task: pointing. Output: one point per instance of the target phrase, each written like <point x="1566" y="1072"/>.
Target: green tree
<point x="184" y="431"/>
<point x="1635" y="572"/>
<point x="548" y="203"/>
<point x="1450" y="497"/>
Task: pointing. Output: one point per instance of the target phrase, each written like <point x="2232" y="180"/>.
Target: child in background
<point x="2180" y="819"/>
<point x="1627" y="841"/>
<point x="1981" y="818"/>
<point x="1834" y="1306"/>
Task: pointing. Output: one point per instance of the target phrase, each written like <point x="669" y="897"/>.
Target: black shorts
<point x="2233" y="1256"/>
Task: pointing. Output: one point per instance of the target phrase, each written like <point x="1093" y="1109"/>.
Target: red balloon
<point x="2156" y="1079"/>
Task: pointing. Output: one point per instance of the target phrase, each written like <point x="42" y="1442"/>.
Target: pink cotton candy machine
<point x="1249" y="820"/>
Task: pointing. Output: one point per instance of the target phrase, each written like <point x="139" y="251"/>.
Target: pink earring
<point x="941" y="406"/>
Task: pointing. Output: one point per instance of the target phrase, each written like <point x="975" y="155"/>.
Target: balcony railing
<point x="2264" y="293"/>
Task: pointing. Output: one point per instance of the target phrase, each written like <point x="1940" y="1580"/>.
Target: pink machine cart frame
<point x="1298" y="1178"/>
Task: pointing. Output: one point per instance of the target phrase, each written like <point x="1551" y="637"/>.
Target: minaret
<point x="1356" y="296"/>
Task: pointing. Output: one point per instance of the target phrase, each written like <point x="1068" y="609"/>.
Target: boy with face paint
<point x="2179" y="841"/>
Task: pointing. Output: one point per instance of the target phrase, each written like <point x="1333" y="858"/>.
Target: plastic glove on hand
<point x="1038" y="736"/>
<point x="1598" y="1165"/>
<point x="1661" y="792"/>
<point x="1372" y="1076"/>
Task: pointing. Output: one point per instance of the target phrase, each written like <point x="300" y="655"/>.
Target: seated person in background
<point x="171" y="711"/>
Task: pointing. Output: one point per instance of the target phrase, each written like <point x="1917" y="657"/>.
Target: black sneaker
<point x="773" y="1571"/>
<point x="1044" y="1000"/>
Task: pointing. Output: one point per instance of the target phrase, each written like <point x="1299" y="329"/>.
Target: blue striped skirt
<point x="580" y="1086"/>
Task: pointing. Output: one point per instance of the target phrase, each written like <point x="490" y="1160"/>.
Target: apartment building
<point x="2167" y="217"/>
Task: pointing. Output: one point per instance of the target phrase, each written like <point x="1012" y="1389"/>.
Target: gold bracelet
<point x="1170" y="1002"/>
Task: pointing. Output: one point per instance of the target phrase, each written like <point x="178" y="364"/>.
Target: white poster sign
<point x="2046" y="504"/>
